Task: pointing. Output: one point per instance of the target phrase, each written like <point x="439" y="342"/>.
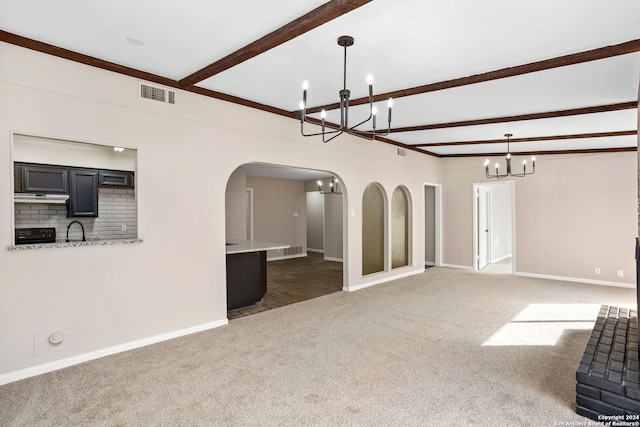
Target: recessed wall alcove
<point x="400" y="227"/>
<point x="374" y="208"/>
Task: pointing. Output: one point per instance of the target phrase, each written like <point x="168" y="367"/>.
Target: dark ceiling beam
<point x="532" y="67"/>
<point x="404" y="146"/>
<point x="132" y="72"/>
<point x="319" y="16"/>
<point x="550" y="152"/>
<point x="378" y="138"/>
<point x="239" y="101"/>
<point x="534" y="116"/>
<point x="534" y="138"/>
<point x="110" y="66"/>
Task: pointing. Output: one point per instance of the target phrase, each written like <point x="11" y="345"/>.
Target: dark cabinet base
<point x="246" y="279"/>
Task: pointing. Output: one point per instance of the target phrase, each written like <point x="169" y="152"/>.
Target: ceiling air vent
<point x="157" y="94"/>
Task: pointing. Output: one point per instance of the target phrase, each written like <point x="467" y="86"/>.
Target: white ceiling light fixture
<point x="509" y="172"/>
<point x="344" y="41"/>
<point x="118" y="149"/>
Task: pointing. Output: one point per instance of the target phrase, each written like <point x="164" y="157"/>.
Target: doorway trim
<point x="512" y="191"/>
<point x="484" y="205"/>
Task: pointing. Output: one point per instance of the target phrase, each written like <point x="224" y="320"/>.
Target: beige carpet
<point x="446" y="347"/>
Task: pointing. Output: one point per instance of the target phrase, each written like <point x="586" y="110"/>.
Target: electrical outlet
<point x="620" y="273"/>
<point x="124" y="227"/>
<point x="597" y="270"/>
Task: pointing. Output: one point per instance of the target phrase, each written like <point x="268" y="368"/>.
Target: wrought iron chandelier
<point x="333" y="186"/>
<point x="333" y="132"/>
<point x="509" y="172"/>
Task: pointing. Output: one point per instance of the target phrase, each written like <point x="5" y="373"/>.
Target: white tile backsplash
<point x="116" y="207"/>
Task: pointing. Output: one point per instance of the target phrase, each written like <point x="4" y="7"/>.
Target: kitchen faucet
<point x="81" y="226"/>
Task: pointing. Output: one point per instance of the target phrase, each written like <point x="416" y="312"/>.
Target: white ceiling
<point x="403" y="43"/>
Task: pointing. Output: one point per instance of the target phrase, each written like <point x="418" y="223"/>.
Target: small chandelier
<point x="509" y="172"/>
<point x="333" y="187"/>
<point x="344" y="41"/>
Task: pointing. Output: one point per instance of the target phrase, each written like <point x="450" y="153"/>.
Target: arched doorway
<point x="279" y="214"/>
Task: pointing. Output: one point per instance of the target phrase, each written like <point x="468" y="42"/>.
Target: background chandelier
<point x="344" y="41"/>
<point x="333" y="187"/>
<point x="509" y="172"/>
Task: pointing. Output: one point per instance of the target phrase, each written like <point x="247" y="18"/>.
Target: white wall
<point x="236" y="205"/>
<point x="279" y="207"/>
<point x="315" y="221"/>
<point x="174" y="281"/>
<point x="333" y="232"/>
<point x="31" y="149"/>
<point x="577" y="212"/>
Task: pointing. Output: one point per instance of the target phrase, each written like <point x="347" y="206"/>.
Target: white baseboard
<point x="459" y="267"/>
<point x="278" y="258"/>
<point x="382" y="280"/>
<point x="86" y="357"/>
<point x="328" y="258"/>
<point x="430" y="263"/>
<point x="577" y="279"/>
<point x="560" y="278"/>
<point x="320" y="251"/>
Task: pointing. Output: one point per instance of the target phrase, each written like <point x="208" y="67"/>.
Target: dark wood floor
<point x="294" y="280"/>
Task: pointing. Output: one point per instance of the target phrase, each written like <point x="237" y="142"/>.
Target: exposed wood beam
<point x="550" y="152"/>
<point x="109" y="66"/>
<point x="239" y="101"/>
<point x="534" y="116"/>
<point x="378" y="138"/>
<point x="321" y="15"/>
<point x="532" y="67"/>
<point x="405" y="146"/>
<point x="533" y="139"/>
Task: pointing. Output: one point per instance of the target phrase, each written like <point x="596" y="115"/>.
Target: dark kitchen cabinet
<point x="17" y="178"/>
<point x="83" y="194"/>
<point x="118" y="179"/>
<point x="42" y="179"/>
<point x="246" y="279"/>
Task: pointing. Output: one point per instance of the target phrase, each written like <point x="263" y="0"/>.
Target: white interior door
<point x="484" y="228"/>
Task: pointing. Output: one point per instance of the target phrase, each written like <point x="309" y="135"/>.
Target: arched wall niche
<point x="400" y="227"/>
<point x="374" y="208"/>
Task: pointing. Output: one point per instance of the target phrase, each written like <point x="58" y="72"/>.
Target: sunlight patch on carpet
<point x="544" y="324"/>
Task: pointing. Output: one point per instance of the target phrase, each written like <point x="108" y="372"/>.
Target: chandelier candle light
<point x="344" y="41"/>
<point x="333" y="187"/>
<point x="509" y="172"/>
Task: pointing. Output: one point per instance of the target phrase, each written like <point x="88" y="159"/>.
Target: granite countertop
<point x="241" y="246"/>
<point x="233" y="246"/>
<point x="76" y="243"/>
